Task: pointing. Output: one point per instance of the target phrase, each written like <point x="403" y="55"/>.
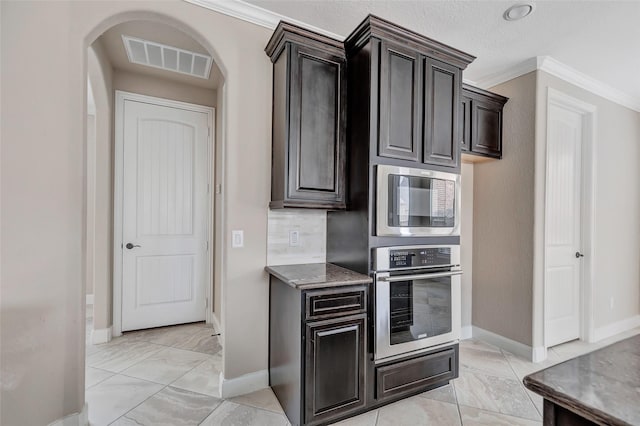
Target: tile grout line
<point x="455" y="395"/>
<point x="520" y="382"/>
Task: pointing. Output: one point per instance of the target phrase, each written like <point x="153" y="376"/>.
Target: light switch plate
<point x="237" y="238"/>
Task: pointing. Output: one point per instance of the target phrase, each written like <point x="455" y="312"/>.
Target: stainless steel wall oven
<point x="417" y="298"/>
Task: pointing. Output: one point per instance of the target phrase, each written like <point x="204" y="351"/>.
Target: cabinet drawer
<point x="333" y="303"/>
<point x="411" y="375"/>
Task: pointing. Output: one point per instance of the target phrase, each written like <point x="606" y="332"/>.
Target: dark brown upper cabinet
<point x="309" y="119"/>
<point x="404" y="96"/>
<point x="399" y="102"/>
<point x="441" y="121"/>
<point x="482" y="122"/>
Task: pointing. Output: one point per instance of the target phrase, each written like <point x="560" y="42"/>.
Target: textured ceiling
<point x="160" y="33"/>
<point x="598" y="38"/>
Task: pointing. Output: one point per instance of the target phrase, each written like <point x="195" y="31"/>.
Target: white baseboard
<point x="90" y="299"/>
<point x="102" y="335"/>
<point x="466" y="332"/>
<point x="244" y="384"/>
<point x="75" y="419"/>
<point x="539" y="354"/>
<point x="505" y="343"/>
<point x="616" y="328"/>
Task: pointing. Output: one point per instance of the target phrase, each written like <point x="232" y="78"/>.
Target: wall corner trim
<point x="566" y="73"/>
<point x="617" y="327"/>
<point x="101" y="335"/>
<point x="505" y="343"/>
<point x="244" y="384"/>
<point x="75" y="419"/>
<point x="256" y="15"/>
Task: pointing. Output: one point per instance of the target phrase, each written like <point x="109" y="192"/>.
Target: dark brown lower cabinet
<point x="335" y="367"/>
<point x="415" y="374"/>
<point x="318" y="351"/>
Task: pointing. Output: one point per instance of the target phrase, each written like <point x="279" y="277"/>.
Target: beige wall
<point x="42" y="156"/>
<point x="42" y="226"/>
<point x="100" y="187"/>
<point x="163" y="88"/>
<point x="503" y="221"/>
<point x="617" y="228"/>
<point x="466" y="241"/>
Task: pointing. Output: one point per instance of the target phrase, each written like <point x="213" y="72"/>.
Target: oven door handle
<point x="420" y="276"/>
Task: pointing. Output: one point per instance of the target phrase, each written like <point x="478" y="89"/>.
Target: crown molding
<point x="508" y="74"/>
<point x="566" y="73"/>
<point x="257" y="15"/>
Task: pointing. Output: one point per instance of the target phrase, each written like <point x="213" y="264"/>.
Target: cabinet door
<point x="486" y="128"/>
<point x="442" y="108"/>
<point x="334" y="367"/>
<point x="399" y="102"/>
<point x="317" y="119"/>
<point x="465" y="124"/>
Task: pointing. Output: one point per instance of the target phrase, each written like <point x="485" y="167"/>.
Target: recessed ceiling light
<point x="518" y="11"/>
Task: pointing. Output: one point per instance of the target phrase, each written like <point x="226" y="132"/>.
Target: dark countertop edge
<point x="355" y="281"/>
<point x="571" y="404"/>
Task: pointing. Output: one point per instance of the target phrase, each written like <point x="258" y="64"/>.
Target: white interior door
<point x="563" y="271"/>
<point x="164" y="215"/>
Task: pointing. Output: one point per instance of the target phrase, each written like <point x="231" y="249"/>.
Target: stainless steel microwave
<point x="416" y="202"/>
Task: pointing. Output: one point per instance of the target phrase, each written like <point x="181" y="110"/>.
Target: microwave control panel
<point x="419" y="257"/>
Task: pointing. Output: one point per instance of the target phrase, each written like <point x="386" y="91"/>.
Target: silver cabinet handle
<point x="420" y="276"/>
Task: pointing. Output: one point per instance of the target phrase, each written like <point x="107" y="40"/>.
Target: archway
<point x="97" y="248"/>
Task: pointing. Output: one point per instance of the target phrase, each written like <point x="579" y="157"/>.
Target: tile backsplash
<point x="312" y="237"/>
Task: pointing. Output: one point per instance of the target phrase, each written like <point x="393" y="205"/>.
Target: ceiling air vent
<point x="168" y="58"/>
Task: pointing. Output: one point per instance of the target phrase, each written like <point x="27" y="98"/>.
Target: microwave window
<point x="418" y="202"/>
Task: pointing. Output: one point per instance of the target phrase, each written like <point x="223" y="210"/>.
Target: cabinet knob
<point x="579" y="255"/>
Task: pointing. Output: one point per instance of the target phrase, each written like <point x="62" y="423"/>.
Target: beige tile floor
<point x="169" y="376"/>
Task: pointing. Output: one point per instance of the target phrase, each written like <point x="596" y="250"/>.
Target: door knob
<point x="130" y="246"/>
<point x="579" y="255"/>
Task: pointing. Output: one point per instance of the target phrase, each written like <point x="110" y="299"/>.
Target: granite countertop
<point x="602" y="386"/>
<point x="315" y="275"/>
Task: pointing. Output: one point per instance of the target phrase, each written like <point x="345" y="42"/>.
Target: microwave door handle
<point x="420" y="276"/>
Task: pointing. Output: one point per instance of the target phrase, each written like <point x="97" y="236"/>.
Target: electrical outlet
<point x="294" y="238"/>
<point x="237" y="238"/>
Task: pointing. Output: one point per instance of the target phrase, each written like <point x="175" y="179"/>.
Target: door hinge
<point x="208" y="188"/>
<point x="207" y="245"/>
<point x="206" y="303"/>
<point x="209" y="131"/>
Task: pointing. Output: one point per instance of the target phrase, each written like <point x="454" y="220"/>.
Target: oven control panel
<point x="419" y="257"/>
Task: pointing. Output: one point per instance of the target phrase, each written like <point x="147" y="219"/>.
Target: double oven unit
<point x="402" y="227"/>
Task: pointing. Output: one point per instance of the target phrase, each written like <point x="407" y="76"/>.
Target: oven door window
<point x="419" y="309"/>
<point x="421" y="202"/>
